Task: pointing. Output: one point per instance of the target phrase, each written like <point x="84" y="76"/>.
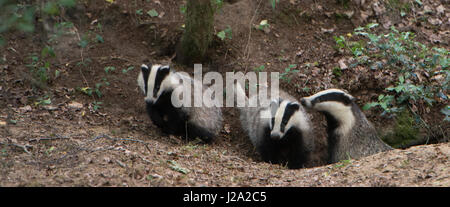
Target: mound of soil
<point x="87" y="125"/>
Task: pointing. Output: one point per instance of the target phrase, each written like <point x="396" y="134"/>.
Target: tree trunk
<point x="198" y="34"/>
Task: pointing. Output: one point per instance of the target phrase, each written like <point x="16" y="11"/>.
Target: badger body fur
<point x="158" y="83"/>
<point x="280" y="132"/>
<point x="350" y="134"/>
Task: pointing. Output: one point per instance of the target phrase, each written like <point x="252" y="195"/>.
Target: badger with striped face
<point x="350" y="134"/>
<point x="280" y="132"/>
<point x="158" y="82"/>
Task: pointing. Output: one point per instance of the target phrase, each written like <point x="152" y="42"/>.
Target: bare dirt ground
<point x="71" y="142"/>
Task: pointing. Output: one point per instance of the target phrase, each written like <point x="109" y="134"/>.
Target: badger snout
<point x="149" y="101"/>
<point x="276" y="135"/>
<point x="305" y="103"/>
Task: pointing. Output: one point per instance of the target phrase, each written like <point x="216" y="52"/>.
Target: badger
<point x="280" y="132"/>
<point x="350" y="134"/>
<point x="158" y="82"/>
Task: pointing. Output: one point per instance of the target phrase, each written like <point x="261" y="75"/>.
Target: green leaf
<point x="51" y="8"/>
<point x="47" y="101"/>
<point x="229" y="32"/>
<point x="221" y="35"/>
<point x="402" y="13"/>
<point x="401" y="79"/>
<point x="67" y="3"/>
<point x="99" y="38"/>
<point x="152" y="13"/>
<point x="446" y="112"/>
<point x="273" y="3"/>
<point x="370" y="105"/>
<point x="183" y="9"/>
<point x="57" y="72"/>
<point x="83" y="43"/>
<point x="47" y="51"/>
<point x="372" y="25"/>
<point x="176" y="167"/>
<point x="419" y="2"/>
<point x="109" y="68"/>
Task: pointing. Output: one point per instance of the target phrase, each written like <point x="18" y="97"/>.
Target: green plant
<point x="343" y="163"/>
<point x="43" y="101"/>
<point x="259" y="69"/>
<point x="407" y="59"/>
<point x="109" y="69"/>
<point x="96" y="105"/>
<point x="183" y="9"/>
<point x="273" y="3"/>
<point x="405" y="130"/>
<point x="125" y="70"/>
<point x="15" y="16"/>
<point x="287" y="74"/>
<point x="176" y="167"/>
<point x="60" y="29"/>
<point x="152" y="13"/>
<point x="226" y="33"/>
<point x="446" y="112"/>
<point x="337" y="71"/>
<point x="40" y="67"/>
<point x="263" y="25"/>
<point x="49" y="150"/>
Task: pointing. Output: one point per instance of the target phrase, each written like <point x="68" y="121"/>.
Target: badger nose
<point x="303" y="102"/>
<point x="150" y="102"/>
<point x="275" y="136"/>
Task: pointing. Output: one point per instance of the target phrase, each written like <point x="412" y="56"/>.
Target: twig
<point x="247" y="50"/>
<point x="121" y="164"/>
<point x="102" y="57"/>
<point x="23" y="147"/>
<point x="116" y="139"/>
<point x="161" y="22"/>
<point x="81" y="54"/>
<point x="48" y="138"/>
<point x="120" y="139"/>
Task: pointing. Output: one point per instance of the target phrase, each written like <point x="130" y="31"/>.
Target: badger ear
<point x="165" y="69"/>
<point x="144" y="67"/>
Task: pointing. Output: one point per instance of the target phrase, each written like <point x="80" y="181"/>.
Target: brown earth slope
<point x="77" y="139"/>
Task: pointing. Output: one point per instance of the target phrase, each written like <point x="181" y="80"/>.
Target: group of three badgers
<point x="281" y="130"/>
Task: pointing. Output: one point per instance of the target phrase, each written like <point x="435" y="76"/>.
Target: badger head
<point x="153" y="80"/>
<point x="335" y="104"/>
<point x="331" y="100"/>
<point x="286" y="115"/>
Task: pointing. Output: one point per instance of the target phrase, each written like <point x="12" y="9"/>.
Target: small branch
<point x="102" y="57"/>
<point x="23" y="147"/>
<point x="116" y="139"/>
<point x="121" y="164"/>
<point x="48" y="138"/>
<point x="156" y="22"/>
<point x="247" y="49"/>
<point x="120" y="139"/>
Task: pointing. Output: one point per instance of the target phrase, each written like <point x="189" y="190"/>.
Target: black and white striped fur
<point x="158" y="83"/>
<point x="350" y="134"/>
<point x="280" y="132"/>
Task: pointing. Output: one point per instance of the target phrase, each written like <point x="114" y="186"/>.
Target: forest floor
<point x="87" y="125"/>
